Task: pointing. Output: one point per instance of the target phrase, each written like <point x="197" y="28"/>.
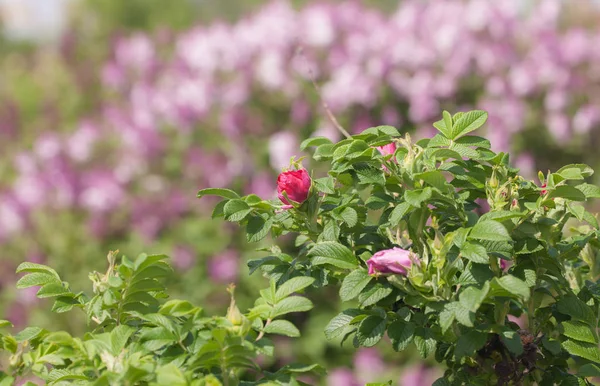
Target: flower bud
<point x="295" y="184"/>
<point x="393" y="261"/>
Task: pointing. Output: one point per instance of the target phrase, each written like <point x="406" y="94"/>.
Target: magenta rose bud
<point x="296" y="185"/>
<point x="395" y="261"/>
<point x="388" y="149"/>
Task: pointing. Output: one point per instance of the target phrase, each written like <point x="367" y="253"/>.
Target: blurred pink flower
<point x="341" y="377"/>
<point x="224" y="267"/>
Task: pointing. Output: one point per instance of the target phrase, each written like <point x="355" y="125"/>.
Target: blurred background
<point x="114" y="113"/>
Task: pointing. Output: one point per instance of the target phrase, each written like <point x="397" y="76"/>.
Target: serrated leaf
<point x="587" y="351"/>
<point x="51" y="290"/>
<point x="294" y="284"/>
<point x="589" y="190"/>
<point x="354" y="283"/>
<point x="469" y="343"/>
<point x="370" y="330"/>
<point x="401" y="334"/>
<point x="417" y="197"/>
<point x="468" y="122"/>
<point x="578" y="331"/>
<point x="333" y="253"/>
<point x="475" y="252"/>
<point x="37" y="268"/>
<point x="489" y="230"/>
<point x="574" y="307"/>
<point x="257" y="229"/>
<point x="584" y="169"/>
<point x="119" y="337"/>
<point x="36" y="279"/>
<point x="292" y="304"/>
<point x="567" y="192"/>
<point x="314" y="141"/>
<point x="446" y="317"/>
<point x="512" y="285"/>
<point x="28" y="333"/>
<point x="178" y="308"/>
<point x="399" y="211"/>
<point x="374" y="293"/>
<point x="338" y="324"/>
<point x="226" y="193"/>
<point x="425" y="342"/>
<point x="471" y="298"/>
<point x="236" y="210"/>
<point x="282" y="327"/>
<point x="436" y="179"/>
<point x="350" y="217"/>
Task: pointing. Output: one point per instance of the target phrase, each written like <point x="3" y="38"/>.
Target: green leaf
<point x="447" y="317"/>
<point x="60" y="375"/>
<point x="512" y="341"/>
<point x="178" y="308"/>
<point x="119" y="337"/>
<point x="354" y="283"/>
<point x="401" y="334"/>
<point x="475" y="252"/>
<point x="417" y="197"/>
<point x="567" y="192"/>
<point x="282" y="327"/>
<point x="587" y="351"/>
<point x="171" y="375"/>
<point x="471" y="298"/>
<point x="257" y="229"/>
<point x="489" y="230"/>
<point x="589" y="370"/>
<point x="572" y="306"/>
<point x="36" y="279"/>
<point x="374" y="293"/>
<point x="336" y="254"/>
<point x="469" y="343"/>
<point x="28" y="333"/>
<point x="578" y="331"/>
<point x="227" y="193"/>
<point x="37" y="268"/>
<point x="350" y="217"/>
<point x="314" y="141"/>
<point x="236" y="210"/>
<point x="425" y="342"/>
<point x="399" y="211"/>
<point x="468" y="122"/>
<point x="436" y="179"/>
<point x="511" y="284"/>
<point x="5" y="323"/>
<point x="443" y="128"/>
<point x="338" y="324"/>
<point x="292" y="304"/>
<point x="370" y="330"/>
<point x="589" y="190"/>
<point x="52" y="290"/>
<point x="294" y="284"/>
<point x="584" y="169"/>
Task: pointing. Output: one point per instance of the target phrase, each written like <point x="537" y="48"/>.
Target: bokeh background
<point x="114" y="113"/>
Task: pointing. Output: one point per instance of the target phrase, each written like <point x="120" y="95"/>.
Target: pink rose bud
<point x="296" y="185"/>
<point x="544" y="191"/>
<point x="395" y="261"/>
<point x="388" y="149"/>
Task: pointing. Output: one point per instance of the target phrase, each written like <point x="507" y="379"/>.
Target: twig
<point x="330" y="115"/>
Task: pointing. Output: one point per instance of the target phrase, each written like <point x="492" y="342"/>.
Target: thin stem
<point x="323" y="103"/>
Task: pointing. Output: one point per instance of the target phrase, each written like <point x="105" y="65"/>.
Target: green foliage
<point x="454" y="301"/>
<point x="136" y="337"/>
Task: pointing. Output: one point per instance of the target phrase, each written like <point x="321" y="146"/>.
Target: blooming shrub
<point x="435" y="275"/>
<point x="137" y="338"/>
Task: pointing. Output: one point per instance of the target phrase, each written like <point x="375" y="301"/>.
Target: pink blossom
<point x="391" y="261"/>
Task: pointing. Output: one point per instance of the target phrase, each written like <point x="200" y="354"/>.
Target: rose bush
<point x="415" y="253"/>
